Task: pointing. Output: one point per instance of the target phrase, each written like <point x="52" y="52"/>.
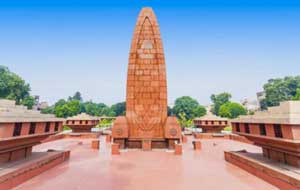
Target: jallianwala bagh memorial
<point x="146" y="121"/>
<point x="147" y="150"/>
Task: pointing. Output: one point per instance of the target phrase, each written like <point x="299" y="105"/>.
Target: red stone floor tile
<point x="135" y="169"/>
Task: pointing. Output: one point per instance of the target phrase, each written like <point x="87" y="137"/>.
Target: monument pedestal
<point x="115" y="149"/>
<point x="146" y="144"/>
<point x="95" y="144"/>
<point x="120" y="134"/>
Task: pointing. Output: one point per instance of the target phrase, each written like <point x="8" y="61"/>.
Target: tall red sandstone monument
<point x="146" y="123"/>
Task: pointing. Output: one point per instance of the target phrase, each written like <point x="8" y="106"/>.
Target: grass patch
<point x="66" y="128"/>
<point x="228" y="128"/>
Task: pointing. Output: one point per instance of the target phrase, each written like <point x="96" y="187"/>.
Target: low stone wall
<point x="91" y="135"/>
<point x="211" y="136"/>
<point x="54" y="138"/>
<point x="83" y="135"/>
<point x="240" y="139"/>
<point x="233" y="137"/>
<point x="282" y="179"/>
<point x="27" y="169"/>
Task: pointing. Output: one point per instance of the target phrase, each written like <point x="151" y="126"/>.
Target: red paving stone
<point x="135" y="169"/>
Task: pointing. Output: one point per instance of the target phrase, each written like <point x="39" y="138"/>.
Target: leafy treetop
<point x="218" y="100"/>
<point x="186" y="109"/>
<point x="280" y="89"/>
<point x="232" y="110"/>
<point x="13" y="87"/>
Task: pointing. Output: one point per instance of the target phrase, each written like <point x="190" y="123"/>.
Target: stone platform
<point x="17" y="172"/>
<point x="281" y="175"/>
<point x="158" y="169"/>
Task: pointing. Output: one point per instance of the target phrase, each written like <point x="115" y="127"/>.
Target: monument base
<point x="17" y="172"/>
<point x="120" y="135"/>
<point x="278" y="174"/>
<point x="141" y="143"/>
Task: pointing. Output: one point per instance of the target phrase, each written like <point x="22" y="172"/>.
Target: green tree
<point x="90" y="108"/>
<point x="189" y="106"/>
<point x="73" y="107"/>
<point x="12" y="86"/>
<point x="29" y="101"/>
<point x="119" y="108"/>
<point x="199" y="111"/>
<point x="297" y="95"/>
<point x="48" y="110"/>
<point x="263" y="104"/>
<point x="107" y="112"/>
<point x="66" y="109"/>
<point x="76" y="96"/>
<point x="280" y="89"/>
<point x="183" y="121"/>
<point x="59" y="109"/>
<point x="218" y="100"/>
<point x="232" y="110"/>
<point x="105" y="123"/>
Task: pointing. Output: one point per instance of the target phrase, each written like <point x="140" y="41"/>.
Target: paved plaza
<point x="134" y="169"/>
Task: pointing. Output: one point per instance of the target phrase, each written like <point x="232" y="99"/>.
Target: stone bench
<point x="184" y="138"/>
<point x="115" y="149"/>
<point x="197" y="145"/>
<point x="178" y="148"/>
<point x="95" y="144"/>
<point x="108" y="138"/>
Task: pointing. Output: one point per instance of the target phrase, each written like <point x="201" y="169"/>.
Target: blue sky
<point x="60" y="47"/>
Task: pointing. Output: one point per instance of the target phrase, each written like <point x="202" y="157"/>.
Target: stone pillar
<point x="95" y="144"/>
<point x="178" y="149"/>
<point x="171" y="143"/>
<point x="66" y="155"/>
<point x="197" y="145"/>
<point x="115" y="149"/>
<point x="121" y="143"/>
<point x="265" y="152"/>
<point x="28" y="151"/>
<point x="292" y="160"/>
<point x="108" y="138"/>
<point x="184" y="139"/>
<point x="146" y="145"/>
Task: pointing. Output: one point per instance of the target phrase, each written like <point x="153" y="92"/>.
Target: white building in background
<point x="251" y="105"/>
<point x="39" y="105"/>
<point x="260" y="96"/>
